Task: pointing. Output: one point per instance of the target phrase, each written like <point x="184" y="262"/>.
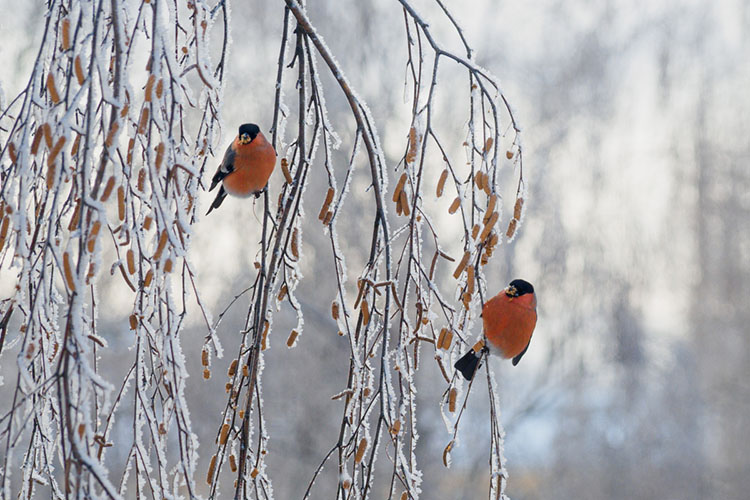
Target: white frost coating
<point x="497" y="458"/>
<point x="54" y="295"/>
<point x="344" y="477"/>
<point x="160" y="309"/>
<point x="517" y="122"/>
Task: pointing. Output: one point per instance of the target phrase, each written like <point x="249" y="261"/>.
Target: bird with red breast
<point x="246" y="167"/>
<point x="509" y="320"/>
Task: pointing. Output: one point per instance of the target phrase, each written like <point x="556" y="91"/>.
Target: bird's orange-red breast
<point x="509" y="320"/>
<point x="246" y="167"/>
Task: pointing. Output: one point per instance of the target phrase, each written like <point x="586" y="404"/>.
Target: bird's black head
<point x="518" y="288"/>
<point x="248" y="132"/>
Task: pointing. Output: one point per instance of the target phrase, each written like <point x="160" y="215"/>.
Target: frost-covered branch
<point x="102" y="156"/>
<point x="99" y="173"/>
<point x="401" y="300"/>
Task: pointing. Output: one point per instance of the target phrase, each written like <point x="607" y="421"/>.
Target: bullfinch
<point x="509" y="320"/>
<point x="246" y="166"/>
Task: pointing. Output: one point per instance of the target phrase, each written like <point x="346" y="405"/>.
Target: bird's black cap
<point x="250" y="129"/>
<point x="522" y="287"/>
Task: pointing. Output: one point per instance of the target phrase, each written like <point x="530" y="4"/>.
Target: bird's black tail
<point x="468" y="363"/>
<point x="218" y="200"/>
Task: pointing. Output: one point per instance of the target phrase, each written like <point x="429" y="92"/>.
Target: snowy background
<point x="637" y="238"/>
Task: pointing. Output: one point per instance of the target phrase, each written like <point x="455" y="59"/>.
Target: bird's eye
<point x="245" y="137"/>
<point x="511" y="291"/>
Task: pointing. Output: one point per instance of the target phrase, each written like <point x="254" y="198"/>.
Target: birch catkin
<point x="441" y="338"/>
<point x="12" y="152"/>
<point x="365" y="313"/>
<point x="142" y="180"/>
<point x="285" y="170"/>
<point x="37" y="140"/>
<point x="361" y="450"/>
<point x="295" y="243"/>
<point x="149" y="87"/>
<point x="327" y="218"/>
<point x="143" y="123"/>
<point x="326" y="203"/>
<point x="76" y="143"/>
<point x="68" y="272"/>
<point x="52" y="89"/>
<point x="108" y="189"/>
<point x="79" y="70"/>
<point x="224" y="434"/>
<point x="162" y="243"/>
<point x="50" y="179"/>
<point x="411" y="154"/>
<point x="55" y="150"/>
<point x="462" y="265"/>
<point x="454" y="206"/>
<point x="92" y="236"/>
<point x="441" y="183"/>
<point x="47" y="131"/>
<point x="518" y="208"/>
<point x="4" y="230"/>
<point x="149" y="277"/>
<point x="121" y="203"/>
<point x="448" y="339"/>
<point x="111" y="134"/>
<point x="396" y="427"/>
<point x="488" y="227"/>
<point x="511" y="228"/>
<point x="292" y="338"/>
<point x="479" y="179"/>
<point x="131" y="261"/>
<point x="75" y="217"/>
<point x="490" y="208"/>
<point x="211" y="468"/>
<point x="65" y="28"/>
<point x="335" y="310"/>
<point x="159" y="155"/>
<point x="404" y="203"/>
<point x="265" y="335"/>
<point x="399" y="187"/>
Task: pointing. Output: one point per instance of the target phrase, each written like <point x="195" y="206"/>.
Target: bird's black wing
<point x="226" y="168"/>
<point x="468" y="364"/>
<point x="218" y="200"/>
<point x="518" y="358"/>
